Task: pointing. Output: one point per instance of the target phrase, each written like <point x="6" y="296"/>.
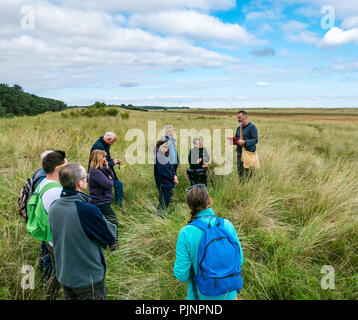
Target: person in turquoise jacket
<point x="189" y="239"/>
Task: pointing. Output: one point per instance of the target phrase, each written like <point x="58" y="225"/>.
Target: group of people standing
<point x="79" y="226"/>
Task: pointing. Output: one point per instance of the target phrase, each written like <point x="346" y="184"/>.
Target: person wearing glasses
<point x="164" y="175"/>
<point x="51" y="164"/>
<point x="79" y="231"/>
<point x="186" y="264"/>
<point x="100" y="187"/>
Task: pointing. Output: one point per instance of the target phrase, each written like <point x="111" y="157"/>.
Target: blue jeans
<point x="118" y="191"/>
<point x="109" y="214"/>
<point x="164" y="199"/>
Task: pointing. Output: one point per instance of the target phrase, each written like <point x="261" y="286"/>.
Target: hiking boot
<point x="160" y="214"/>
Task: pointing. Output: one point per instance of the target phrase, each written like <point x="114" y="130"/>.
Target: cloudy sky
<point x="199" y="53"/>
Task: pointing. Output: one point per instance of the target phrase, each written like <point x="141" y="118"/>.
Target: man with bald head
<point x="104" y="143"/>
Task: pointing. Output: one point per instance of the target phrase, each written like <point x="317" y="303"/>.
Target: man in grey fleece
<point x="79" y="231"/>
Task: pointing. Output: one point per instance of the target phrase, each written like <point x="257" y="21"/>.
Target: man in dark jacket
<point x="104" y="143"/>
<point x="249" y="140"/>
<point x="79" y="231"/>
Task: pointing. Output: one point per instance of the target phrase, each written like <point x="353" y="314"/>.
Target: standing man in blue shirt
<point x="173" y="152"/>
<point x="248" y="140"/>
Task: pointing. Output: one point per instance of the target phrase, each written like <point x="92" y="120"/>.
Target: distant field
<point x="298" y="214"/>
<point x="321" y="115"/>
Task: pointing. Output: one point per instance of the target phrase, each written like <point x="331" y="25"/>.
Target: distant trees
<point x="14" y="101"/>
<point x="98" y="105"/>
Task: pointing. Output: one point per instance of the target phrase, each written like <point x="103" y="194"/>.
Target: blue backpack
<point x="219" y="269"/>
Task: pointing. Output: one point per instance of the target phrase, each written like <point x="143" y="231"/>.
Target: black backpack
<point x="27" y="191"/>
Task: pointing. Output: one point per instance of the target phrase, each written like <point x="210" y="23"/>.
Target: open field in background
<point x="297" y="214"/>
<point x="318" y="115"/>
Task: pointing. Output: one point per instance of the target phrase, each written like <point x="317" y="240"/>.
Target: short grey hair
<point x="196" y="140"/>
<point x="45" y="153"/>
<point x="167" y="128"/>
<point x="70" y="174"/>
<point x="110" y="135"/>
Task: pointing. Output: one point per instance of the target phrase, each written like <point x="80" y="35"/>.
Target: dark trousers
<point x="109" y="214"/>
<point x="98" y="291"/>
<point x="164" y="199"/>
<point x="241" y="171"/>
<point x="198" y="177"/>
<point x="118" y="191"/>
<point x="52" y="285"/>
<point x="45" y="262"/>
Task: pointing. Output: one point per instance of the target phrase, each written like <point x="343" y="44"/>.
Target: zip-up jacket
<point x="79" y="231"/>
<point x="187" y="250"/>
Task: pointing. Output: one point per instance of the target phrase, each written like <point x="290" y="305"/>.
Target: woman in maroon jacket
<point x="100" y="187"/>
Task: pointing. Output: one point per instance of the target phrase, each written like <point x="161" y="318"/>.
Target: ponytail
<point x="193" y="215"/>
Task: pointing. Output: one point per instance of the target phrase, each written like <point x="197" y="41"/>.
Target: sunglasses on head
<point x="195" y="186"/>
<point x="60" y="166"/>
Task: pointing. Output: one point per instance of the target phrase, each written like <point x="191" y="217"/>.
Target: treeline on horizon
<point x="15" y="102"/>
<point x="131" y="107"/>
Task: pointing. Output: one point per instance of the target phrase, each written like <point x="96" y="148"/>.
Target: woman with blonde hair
<point x="100" y="187"/>
<point x="208" y="251"/>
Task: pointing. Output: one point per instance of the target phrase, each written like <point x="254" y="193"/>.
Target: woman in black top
<point x="198" y="160"/>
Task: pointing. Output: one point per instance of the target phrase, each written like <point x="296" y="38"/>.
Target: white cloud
<point x="284" y="53"/>
<point x="345" y="67"/>
<point x="350" y="22"/>
<point x="260" y="15"/>
<point x="312" y="8"/>
<point x="296" y="31"/>
<point x="69" y="46"/>
<point x="144" y="6"/>
<point x="262" y="84"/>
<point x="310" y="12"/>
<point x="294" y="26"/>
<point x="263" y="29"/>
<point x="129" y="83"/>
<point x="306" y="36"/>
<point x="337" y="37"/>
<point x="194" y="25"/>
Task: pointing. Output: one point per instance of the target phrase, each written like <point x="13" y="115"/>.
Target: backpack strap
<point x="48" y="186"/>
<point x="192" y="277"/>
<point x="37" y="176"/>
<point x="219" y="222"/>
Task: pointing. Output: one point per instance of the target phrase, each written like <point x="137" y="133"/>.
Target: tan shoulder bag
<point x="250" y="159"/>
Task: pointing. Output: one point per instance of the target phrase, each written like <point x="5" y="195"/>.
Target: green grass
<point x="297" y="214"/>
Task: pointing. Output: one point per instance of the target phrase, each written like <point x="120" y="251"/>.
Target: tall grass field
<point x="298" y="213"/>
